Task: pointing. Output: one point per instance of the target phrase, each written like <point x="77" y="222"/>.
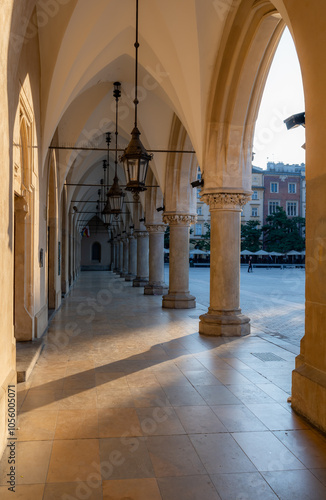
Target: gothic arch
<point x="237" y="86"/>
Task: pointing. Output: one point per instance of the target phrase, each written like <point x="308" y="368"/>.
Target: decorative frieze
<point x="156" y="228"/>
<point x="226" y="201"/>
<point x="179" y="219"/>
<point x="140" y="234"/>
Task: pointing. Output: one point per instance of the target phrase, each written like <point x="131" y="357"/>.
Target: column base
<point x="130" y="277"/>
<point x="229" y="324"/>
<point x="309" y="395"/>
<point x="156" y="289"/>
<point x="139" y="281"/>
<point x="179" y="301"/>
<point x="123" y="275"/>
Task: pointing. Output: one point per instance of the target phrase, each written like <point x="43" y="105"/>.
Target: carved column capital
<point x="226" y="201"/>
<point x="179" y="219"/>
<point x="140" y="234"/>
<point x="156" y="228"/>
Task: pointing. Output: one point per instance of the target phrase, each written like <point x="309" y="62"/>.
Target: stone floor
<point x="127" y="401"/>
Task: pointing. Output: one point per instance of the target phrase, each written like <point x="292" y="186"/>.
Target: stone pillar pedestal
<point x="224" y="316"/>
<point x="156" y="285"/>
<point x="142" y="259"/>
<point x="178" y="296"/>
<point x="132" y="267"/>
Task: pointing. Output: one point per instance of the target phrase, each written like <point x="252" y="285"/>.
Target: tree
<point x="167" y="237"/>
<point x="282" y="233"/>
<point x="205" y="242"/>
<point x="250" y="236"/>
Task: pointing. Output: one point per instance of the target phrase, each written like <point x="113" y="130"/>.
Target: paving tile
<point x="319" y="474"/>
<point x="142" y="380"/>
<point x="125" y="458"/>
<point x="230" y="377"/>
<point x="77" y="424"/>
<point x="203" y="377"/>
<point x="244" y="486"/>
<point x="298" y="485"/>
<point x="159" y="421"/>
<point x="73" y="460"/>
<point x="307" y="445"/>
<point x="32" y="462"/>
<point x="114" y="398"/>
<point x="238" y="418"/>
<point x="266" y="452"/>
<point x="187" y="488"/>
<point x="274" y="392"/>
<point x="135" y="489"/>
<point x="23" y="492"/>
<point x="145" y="397"/>
<point x="250" y="394"/>
<point x="221" y="454"/>
<point x="36" y="425"/>
<point x="78" y="399"/>
<point x="217" y="395"/>
<point x="174" y="456"/>
<point x="90" y="490"/>
<point x="199" y="420"/>
<point x="117" y="422"/>
<point x="184" y="396"/>
<point x="40" y="400"/>
<point x="276" y="418"/>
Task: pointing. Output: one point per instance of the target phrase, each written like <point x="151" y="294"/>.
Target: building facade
<point x="279" y="185"/>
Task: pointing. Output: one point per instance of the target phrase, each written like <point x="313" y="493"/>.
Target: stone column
<point x="132" y="267"/>
<point x="156" y="285"/>
<point x="120" y="257"/>
<point x="125" y="262"/>
<point x="142" y="259"/>
<point x="178" y="296"/>
<point x="116" y="255"/>
<point x="112" y="254"/>
<point x="224" y="316"/>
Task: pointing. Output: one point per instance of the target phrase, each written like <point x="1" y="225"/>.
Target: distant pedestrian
<point x="250" y="265"/>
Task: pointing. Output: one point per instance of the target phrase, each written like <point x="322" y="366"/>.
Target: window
<point x="254" y="212"/>
<point x="255" y="195"/>
<point x="198" y="230"/>
<point x="272" y="207"/>
<point x="198" y="193"/>
<point x="199" y="176"/>
<point x="274" y="187"/>
<point x="292" y="187"/>
<point x="199" y="211"/>
<point x="291" y="208"/>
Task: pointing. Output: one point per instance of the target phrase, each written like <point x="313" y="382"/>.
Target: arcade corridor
<point x="128" y="401"/>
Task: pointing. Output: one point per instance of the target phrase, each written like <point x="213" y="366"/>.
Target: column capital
<point x="140" y="234"/>
<point x="179" y="219"/>
<point x="156" y="228"/>
<point x="226" y="201"/>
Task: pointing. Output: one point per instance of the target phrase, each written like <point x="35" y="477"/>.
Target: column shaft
<point x="224" y="316"/>
<point x="156" y="285"/>
<point x="178" y="296"/>
<point x="132" y="268"/>
<point x="142" y="259"/>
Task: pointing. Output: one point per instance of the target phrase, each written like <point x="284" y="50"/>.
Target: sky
<point x="283" y="97"/>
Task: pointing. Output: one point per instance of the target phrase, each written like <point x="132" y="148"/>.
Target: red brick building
<point x="283" y="187"/>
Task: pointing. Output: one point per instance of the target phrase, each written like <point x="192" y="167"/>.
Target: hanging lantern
<point x="135" y="158"/>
